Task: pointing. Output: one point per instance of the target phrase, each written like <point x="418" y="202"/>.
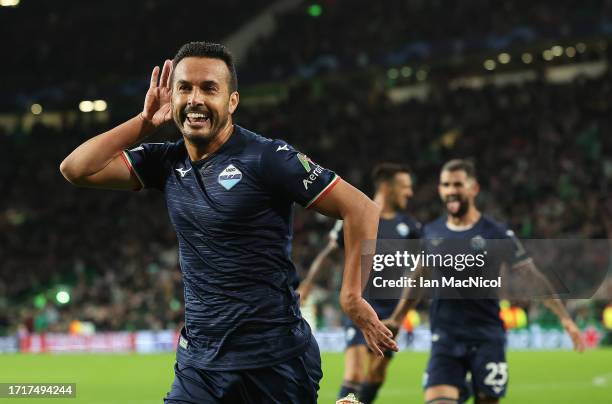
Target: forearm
<point x="96" y="153"/>
<point x="409" y="299"/>
<point x="553" y="304"/>
<point x="558" y="308"/>
<point x="317" y="264"/>
<point x="360" y="224"/>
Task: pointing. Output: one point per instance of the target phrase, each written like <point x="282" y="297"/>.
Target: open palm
<point x="157" y="109"/>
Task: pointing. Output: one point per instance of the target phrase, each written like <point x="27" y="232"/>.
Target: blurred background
<point x="522" y="87"/>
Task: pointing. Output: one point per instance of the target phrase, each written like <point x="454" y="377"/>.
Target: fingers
<point x="374" y="348"/>
<point x="154" y="77"/>
<point x="578" y="342"/>
<point x="165" y="75"/>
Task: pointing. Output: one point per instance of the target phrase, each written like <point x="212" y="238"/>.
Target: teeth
<point x="196" y="115"/>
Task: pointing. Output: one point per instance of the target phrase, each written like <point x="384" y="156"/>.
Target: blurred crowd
<point x="77" y="49"/>
<point x="344" y="34"/>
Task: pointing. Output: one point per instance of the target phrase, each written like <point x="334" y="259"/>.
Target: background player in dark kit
<point x="393" y="189"/>
<point x="229" y="194"/>
<point x="468" y="335"/>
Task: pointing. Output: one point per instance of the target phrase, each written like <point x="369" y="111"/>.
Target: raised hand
<point x="157" y="109"/>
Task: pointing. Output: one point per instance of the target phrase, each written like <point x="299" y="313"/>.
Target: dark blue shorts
<point x="479" y="367"/>
<point x="293" y="381"/>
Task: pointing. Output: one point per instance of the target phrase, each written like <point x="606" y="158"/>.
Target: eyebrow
<point x="204" y="83"/>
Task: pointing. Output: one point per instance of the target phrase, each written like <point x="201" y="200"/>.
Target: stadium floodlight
<point x="527" y="58"/>
<point x="489" y="64"/>
<point x="9" y="3"/>
<point x="36" y="109"/>
<point x="99" y="105"/>
<point x="557" y="50"/>
<point x="86" y="106"/>
<point x="581" y="47"/>
<point x="62" y="297"/>
<point x="547" y="55"/>
<point x="504" y="58"/>
<point x="570" y="51"/>
<point x="392" y="74"/>
<point x="406" y="71"/>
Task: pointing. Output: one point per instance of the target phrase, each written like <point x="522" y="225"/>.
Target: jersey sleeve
<point x="416" y="231"/>
<point x="149" y="162"/>
<point x="337" y="233"/>
<point x="514" y="252"/>
<point x="287" y="171"/>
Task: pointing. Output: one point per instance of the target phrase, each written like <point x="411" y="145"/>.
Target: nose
<point x="196" y="97"/>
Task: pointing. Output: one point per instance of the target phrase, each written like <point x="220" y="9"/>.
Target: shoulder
<point x="255" y="141"/>
<point x="495" y="228"/>
<point x="411" y="221"/>
<point x="436" y="226"/>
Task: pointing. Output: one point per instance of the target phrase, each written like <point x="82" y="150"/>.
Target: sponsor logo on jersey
<point x="137" y="148"/>
<point x="182" y="171"/>
<point x="229" y="177"/>
<point x="403" y="229"/>
<point x="305" y="161"/>
<point x="312" y="177"/>
<point x="283" y="147"/>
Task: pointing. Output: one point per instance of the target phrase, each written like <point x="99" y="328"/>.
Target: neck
<point x="199" y="151"/>
<point x="387" y="211"/>
<point x="470" y="217"/>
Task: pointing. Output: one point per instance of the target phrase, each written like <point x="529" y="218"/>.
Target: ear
<point x="233" y="101"/>
<point x="476" y="187"/>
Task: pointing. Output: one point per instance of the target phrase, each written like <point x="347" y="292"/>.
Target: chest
<point x="219" y="192"/>
<point x="395" y="229"/>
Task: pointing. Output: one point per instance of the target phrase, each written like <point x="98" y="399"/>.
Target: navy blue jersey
<point x="401" y="227"/>
<point x="232" y="213"/>
<point x="470" y="319"/>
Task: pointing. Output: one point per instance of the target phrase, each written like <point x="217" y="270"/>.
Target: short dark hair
<point x="209" y="50"/>
<point x="385" y="172"/>
<point x="461" y="165"/>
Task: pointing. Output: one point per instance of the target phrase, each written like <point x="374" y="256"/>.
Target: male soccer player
<point x="468" y="334"/>
<point x="229" y="194"/>
<point x="393" y="189"/>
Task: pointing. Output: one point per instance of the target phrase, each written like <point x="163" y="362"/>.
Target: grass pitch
<point x="535" y="377"/>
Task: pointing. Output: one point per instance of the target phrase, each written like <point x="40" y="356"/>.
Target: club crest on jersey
<point x="478" y="243"/>
<point x="403" y="229"/>
<point x="229" y="177"/>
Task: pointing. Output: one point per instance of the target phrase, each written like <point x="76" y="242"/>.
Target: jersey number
<point x="498" y="375"/>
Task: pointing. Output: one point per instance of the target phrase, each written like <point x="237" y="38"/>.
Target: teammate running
<point x="468" y="335"/>
<point x="393" y="186"/>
